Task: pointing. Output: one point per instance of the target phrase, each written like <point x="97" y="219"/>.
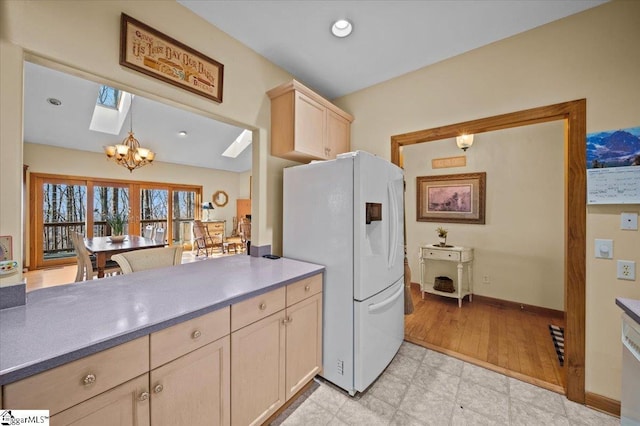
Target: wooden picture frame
<point x="220" y="198"/>
<point x="157" y="55"/>
<point x="458" y="198"/>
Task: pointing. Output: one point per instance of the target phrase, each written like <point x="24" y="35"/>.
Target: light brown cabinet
<point x="193" y="389"/>
<point x="290" y="355"/>
<point x="124" y="405"/>
<point x="243" y="207"/>
<point x="305" y="126"/>
<point x="215" y="227"/>
<point x="70" y="384"/>
<point x="186" y="374"/>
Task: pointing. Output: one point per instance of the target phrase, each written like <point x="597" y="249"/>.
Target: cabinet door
<point x="310" y="122"/>
<point x="124" y="405"/>
<point x="338" y="135"/>
<point x="304" y="343"/>
<point x="257" y="370"/>
<point x="243" y="207"/>
<point x="193" y="389"/>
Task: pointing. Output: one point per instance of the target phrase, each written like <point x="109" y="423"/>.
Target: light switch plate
<point x="604" y="249"/>
<point x="629" y="221"/>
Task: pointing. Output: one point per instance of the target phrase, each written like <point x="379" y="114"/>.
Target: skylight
<point x="239" y="145"/>
<point x="110" y="111"/>
<point x="108" y="97"/>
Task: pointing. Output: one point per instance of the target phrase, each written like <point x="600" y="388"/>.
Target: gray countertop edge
<point x="630" y="306"/>
<point x="18" y="372"/>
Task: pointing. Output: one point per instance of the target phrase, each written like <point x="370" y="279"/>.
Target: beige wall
<point x="592" y="55"/>
<point x="84" y="40"/>
<point x="521" y="256"/>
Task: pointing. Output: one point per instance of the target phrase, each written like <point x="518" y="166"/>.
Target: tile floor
<point x="423" y="387"/>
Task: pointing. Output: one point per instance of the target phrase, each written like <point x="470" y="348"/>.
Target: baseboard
<point x="507" y="304"/>
<point x="602" y="403"/>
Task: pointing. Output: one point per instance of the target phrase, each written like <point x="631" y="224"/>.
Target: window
<point x="108" y="97"/>
<point x="61" y="206"/>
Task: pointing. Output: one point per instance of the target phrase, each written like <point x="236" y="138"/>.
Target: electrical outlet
<point x="626" y="270"/>
<point x="485" y="279"/>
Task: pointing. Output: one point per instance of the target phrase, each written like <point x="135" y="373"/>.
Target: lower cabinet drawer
<point x="173" y="342"/>
<point x="256" y="308"/>
<point x="124" y="405"/>
<point x="67" y="385"/>
<point x="440" y="254"/>
<point x="303" y="289"/>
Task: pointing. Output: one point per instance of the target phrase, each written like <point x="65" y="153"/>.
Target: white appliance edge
<point x="324" y="222"/>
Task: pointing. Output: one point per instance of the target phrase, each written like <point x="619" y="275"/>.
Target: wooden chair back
<point x="86" y="265"/>
<point x="158" y="236"/>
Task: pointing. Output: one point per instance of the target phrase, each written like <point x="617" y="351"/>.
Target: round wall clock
<point x="220" y="198"/>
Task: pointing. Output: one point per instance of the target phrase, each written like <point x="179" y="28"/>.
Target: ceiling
<point x="156" y="125"/>
<point x="390" y="38"/>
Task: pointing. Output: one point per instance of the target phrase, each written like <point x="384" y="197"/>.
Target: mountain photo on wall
<point x="613" y="167"/>
<point x="616" y="148"/>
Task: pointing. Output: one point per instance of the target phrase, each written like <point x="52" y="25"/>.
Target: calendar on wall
<point x="613" y="167"/>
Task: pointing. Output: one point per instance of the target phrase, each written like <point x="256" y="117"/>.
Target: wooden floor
<point x="514" y="342"/>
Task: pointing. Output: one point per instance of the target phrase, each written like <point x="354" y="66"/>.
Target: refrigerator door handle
<point x="393" y="224"/>
<point x="379" y="306"/>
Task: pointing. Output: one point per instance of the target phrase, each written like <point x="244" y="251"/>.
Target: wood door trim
<point x="574" y="114"/>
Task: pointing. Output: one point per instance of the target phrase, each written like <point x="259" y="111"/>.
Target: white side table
<point x="462" y="255"/>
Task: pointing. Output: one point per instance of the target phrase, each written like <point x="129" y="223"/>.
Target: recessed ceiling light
<point x="54" y="101"/>
<point x="182" y="133"/>
<point x="341" y="28"/>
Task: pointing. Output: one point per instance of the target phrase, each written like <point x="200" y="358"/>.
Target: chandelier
<point x="129" y="153"/>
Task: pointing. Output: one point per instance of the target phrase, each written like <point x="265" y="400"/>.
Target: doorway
<point x="573" y="114"/>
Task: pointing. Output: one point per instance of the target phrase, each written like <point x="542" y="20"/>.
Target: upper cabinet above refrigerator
<point x="305" y="126"/>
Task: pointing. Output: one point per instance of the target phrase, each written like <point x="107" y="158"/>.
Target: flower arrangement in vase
<point x="442" y="236"/>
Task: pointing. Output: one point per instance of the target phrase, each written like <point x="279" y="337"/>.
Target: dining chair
<point x="148" y="231"/>
<point x="158" y="236"/>
<point x="141" y="260"/>
<point x="245" y="232"/>
<point x="87" y="268"/>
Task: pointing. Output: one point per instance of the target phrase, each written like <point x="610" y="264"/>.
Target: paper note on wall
<point x="617" y="185"/>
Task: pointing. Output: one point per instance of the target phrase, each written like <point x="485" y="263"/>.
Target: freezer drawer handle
<point x="379" y="306"/>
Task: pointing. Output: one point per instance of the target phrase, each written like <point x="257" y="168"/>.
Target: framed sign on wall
<point x="150" y="52"/>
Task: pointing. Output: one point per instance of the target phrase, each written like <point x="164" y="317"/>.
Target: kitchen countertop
<point x="65" y="323"/>
<point x="631" y="307"/>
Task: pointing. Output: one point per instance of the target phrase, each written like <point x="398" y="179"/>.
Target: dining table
<point x="103" y="248"/>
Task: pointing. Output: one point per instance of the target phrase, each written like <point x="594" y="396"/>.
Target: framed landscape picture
<point x="458" y="198"/>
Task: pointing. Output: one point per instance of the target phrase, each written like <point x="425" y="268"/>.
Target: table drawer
<point x="440" y="254"/>
<point x="67" y="385"/>
<point x="173" y="342"/>
<point x="304" y="288"/>
<point x="256" y="308"/>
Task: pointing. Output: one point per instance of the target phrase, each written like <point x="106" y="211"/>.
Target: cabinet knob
<point x="196" y="334"/>
<point x="263" y="306"/>
<point x="89" y="379"/>
<point x="158" y="388"/>
<point x="307" y="288"/>
<point x="143" y="396"/>
<point x="284" y="321"/>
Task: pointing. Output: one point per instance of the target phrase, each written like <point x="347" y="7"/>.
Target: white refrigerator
<point x="347" y="214"/>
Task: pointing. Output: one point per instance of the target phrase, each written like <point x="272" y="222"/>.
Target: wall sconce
<point x="464" y="141"/>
